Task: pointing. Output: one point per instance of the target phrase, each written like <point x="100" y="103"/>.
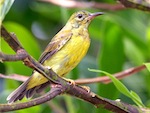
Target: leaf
<point x="122" y="88"/>
<point x="147" y="66"/>
<point x="5" y="5"/>
<point x="136" y="99"/>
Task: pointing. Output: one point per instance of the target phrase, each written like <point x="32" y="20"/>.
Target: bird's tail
<point x="22" y="91"/>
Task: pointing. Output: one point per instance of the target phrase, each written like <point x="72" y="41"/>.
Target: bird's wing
<point x="55" y="45"/>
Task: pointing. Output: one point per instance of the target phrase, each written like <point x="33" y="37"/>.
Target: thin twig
<point x="77" y="91"/>
<point x="11" y="40"/>
<point x="65" y="87"/>
<point x="106" y="79"/>
<point x="14" y="77"/>
<point x="16" y="106"/>
<point x="82" y="4"/>
<point x="21" y="55"/>
<point x="137" y="4"/>
<point x="103" y="79"/>
<point x="28" y="60"/>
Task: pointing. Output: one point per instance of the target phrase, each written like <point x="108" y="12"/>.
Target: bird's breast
<point x="65" y="59"/>
<point x="70" y="55"/>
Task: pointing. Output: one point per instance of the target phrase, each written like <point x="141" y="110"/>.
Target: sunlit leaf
<point x="122" y="88"/>
<point x="136" y="99"/>
<point x="5" y="5"/>
<point x="147" y="66"/>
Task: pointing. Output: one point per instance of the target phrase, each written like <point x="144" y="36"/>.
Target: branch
<point x="11" y="40"/>
<point x="139" y="4"/>
<point x="77" y="91"/>
<point x="15" y="77"/>
<point x="65" y="87"/>
<point x="82" y="4"/>
<point x="16" y="106"/>
<point x="27" y="59"/>
<point x="103" y="79"/>
<point x="106" y="79"/>
<point x="21" y="55"/>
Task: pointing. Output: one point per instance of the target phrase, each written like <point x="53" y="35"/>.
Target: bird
<point x="64" y="52"/>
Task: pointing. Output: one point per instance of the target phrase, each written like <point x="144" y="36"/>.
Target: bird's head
<point x="82" y="18"/>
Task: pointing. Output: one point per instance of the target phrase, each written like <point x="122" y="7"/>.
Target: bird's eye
<point x="80" y="16"/>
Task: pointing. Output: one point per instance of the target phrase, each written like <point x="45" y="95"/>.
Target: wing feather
<point x="55" y="45"/>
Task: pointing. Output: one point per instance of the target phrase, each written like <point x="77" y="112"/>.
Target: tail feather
<point x="22" y="91"/>
<point x="43" y="86"/>
<point x="19" y="93"/>
<point x="30" y="92"/>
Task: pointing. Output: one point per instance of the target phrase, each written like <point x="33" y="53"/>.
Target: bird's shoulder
<point x="57" y="42"/>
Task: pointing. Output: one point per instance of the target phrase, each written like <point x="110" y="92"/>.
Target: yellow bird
<point x="62" y="54"/>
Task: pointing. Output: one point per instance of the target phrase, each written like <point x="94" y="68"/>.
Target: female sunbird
<point x="62" y="54"/>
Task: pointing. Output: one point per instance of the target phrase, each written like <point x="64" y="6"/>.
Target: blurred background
<point x="120" y="39"/>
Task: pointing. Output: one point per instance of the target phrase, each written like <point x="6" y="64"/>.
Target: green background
<point x="119" y="40"/>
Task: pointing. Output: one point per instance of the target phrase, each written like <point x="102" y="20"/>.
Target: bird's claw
<point x="72" y="82"/>
<point x="87" y="88"/>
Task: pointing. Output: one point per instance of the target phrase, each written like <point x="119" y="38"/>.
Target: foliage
<point x="119" y="40"/>
<point x="4" y="8"/>
<point x="121" y="88"/>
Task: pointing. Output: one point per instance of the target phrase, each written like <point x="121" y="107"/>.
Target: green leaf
<point x="136" y="99"/>
<point x="5" y="5"/>
<point x="147" y="66"/>
<point x="122" y="88"/>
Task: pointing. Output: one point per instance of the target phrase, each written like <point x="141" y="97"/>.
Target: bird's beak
<point x="93" y="15"/>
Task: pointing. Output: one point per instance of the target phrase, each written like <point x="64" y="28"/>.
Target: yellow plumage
<point x="63" y="53"/>
<point x="64" y="60"/>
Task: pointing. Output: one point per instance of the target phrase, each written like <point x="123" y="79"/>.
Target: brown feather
<point x="54" y="46"/>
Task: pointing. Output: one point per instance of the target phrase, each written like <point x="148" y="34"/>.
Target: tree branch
<point x="16" y="106"/>
<point x="82" y="4"/>
<point x="102" y="79"/>
<point x="15" y="77"/>
<point x="77" y="91"/>
<point x="65" y="87"/>
<point x="28" y="60"/>
<point x="21" y="55"/>
<point x="106" y="79"/>
<point x="139" y="4"/>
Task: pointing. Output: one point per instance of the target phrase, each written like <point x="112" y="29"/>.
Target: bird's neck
<point x="76" y="30"/>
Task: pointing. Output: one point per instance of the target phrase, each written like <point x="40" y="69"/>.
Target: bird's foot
<point x="72" y="82"/>
<point x="87" y="88"/>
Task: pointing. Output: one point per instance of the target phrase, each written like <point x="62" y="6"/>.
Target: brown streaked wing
<point x="55" y="45"/>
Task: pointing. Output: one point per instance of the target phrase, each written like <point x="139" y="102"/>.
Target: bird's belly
<point x="69" y="56"/>
<point x="65" y="59"/>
